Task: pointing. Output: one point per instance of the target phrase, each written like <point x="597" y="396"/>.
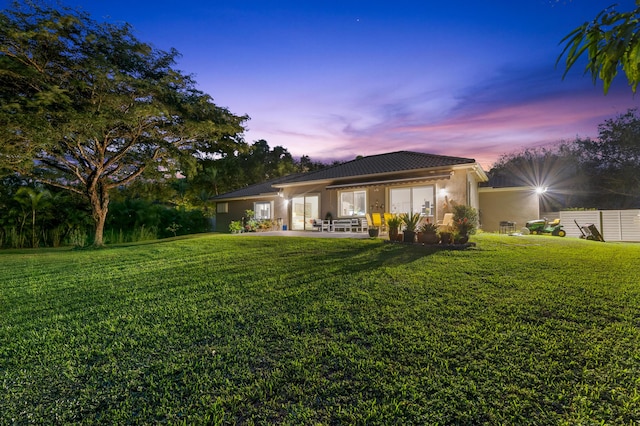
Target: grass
<point x="263" y="330"/>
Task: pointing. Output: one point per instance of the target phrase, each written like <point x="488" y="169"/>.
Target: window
<point x="222" y="208"/>
<point x="353" y="203"/>
<point x="262" y="210"/>
<point x="417" y="199"/>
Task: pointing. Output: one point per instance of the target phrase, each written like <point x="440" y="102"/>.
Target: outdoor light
<point x="443" y="192"/>
<point x="541" y="190"/>
<point x="377" y="206"/>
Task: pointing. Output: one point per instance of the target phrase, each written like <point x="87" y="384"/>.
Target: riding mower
<point x="543" y="226"/>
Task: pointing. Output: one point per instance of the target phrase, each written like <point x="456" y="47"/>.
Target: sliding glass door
<point x="416" y="199"/>
<point x="303" y="210"/>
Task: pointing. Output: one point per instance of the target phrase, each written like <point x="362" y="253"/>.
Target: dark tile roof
<point x="381" y="164"/>
<point x="392" y="162"/>
<point x="256" y="189"/>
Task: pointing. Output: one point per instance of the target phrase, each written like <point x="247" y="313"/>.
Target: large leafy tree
<point x="87" y="107"/>
<point x="611" y="42"/>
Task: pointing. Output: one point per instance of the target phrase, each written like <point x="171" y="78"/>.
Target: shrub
<point x="410" y="221"/>
<point x="465" y="219"/>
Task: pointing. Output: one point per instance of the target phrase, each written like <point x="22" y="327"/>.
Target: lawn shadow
<point x="375" y="254"/>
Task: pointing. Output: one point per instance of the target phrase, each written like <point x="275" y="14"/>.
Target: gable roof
<point x="392" y="163"/>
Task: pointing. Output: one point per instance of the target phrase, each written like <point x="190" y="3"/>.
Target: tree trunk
<point x="99" y="198"/>
<point x="33" y="228"/>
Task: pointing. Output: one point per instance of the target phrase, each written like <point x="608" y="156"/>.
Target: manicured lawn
<point x="231" y="329"/>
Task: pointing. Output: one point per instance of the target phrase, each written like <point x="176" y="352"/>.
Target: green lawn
<point x="233" y="329"/>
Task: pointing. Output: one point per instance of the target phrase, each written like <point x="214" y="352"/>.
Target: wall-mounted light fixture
<point x="377" y="206"/>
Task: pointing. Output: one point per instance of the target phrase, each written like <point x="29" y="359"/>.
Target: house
<point x="396" y="182"/>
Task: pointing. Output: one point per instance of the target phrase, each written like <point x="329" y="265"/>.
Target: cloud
<point x="512" y="110"/>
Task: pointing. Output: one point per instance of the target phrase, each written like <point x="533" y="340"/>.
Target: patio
<point x="312" y="234"/>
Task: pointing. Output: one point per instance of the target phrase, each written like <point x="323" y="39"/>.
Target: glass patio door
<point x="303" y="210"/>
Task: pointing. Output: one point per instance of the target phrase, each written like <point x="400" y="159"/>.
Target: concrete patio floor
<point x="308" y="234"/>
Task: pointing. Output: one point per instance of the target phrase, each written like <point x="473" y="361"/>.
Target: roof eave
<point x="377" y="176"/>
<point x="477" y="169"/>
<point x="247" y="197"/>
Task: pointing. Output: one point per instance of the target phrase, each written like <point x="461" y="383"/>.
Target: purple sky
<point x="335" y="79"/>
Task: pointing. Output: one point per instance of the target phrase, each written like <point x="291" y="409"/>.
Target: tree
<point x="613" y="159"/>
<point x="33" y="200"/>
<point x="87" y="107"/>
<point x="556" y="168"/>
<point x="590" y="173"/>
<point x="611" y="42"/>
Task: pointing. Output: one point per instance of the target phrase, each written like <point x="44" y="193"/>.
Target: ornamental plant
<point x="429" y="227"/>
<point x="394" y="222"/>
<point x="465" y="219"/>
<point x="410" y="221"/>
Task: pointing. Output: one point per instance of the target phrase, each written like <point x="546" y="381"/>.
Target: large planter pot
<point x="373" y="232"/>
<point x="409" y="237"/>
<point x="428" y="238"/>
<point x="446" y="238"/>
<point x="462" y="239"/>
<point x="393" y="234"/>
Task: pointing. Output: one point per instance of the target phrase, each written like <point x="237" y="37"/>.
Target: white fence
<point x="614" y="225"/>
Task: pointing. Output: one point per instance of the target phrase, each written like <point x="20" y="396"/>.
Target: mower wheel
<point x="561" y="233"/>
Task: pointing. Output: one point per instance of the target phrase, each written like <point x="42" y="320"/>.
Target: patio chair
<point x="446" y="222"/>
<point x="387" y="216"/>
<point x="368" y="219"/>
<point x="377" y="219"/>
<point x="317" y="224"/>
<point x="364" y="224"/>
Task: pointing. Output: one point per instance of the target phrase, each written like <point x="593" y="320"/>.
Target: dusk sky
<point x="337" y="79"/>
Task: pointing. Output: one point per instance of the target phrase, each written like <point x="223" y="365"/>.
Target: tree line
<point x="597" y="173"/>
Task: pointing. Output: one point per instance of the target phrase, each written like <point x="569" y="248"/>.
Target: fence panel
<point x="630" y="223"/>
<point x="582" y="217"/>
<point x="615" y="225"/>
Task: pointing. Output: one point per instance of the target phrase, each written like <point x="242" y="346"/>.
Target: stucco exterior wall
<point x="459" y="188"/>
<point x="453" y="185"/>
<point x="237" y="208"/>
<point x="517" y="205"/>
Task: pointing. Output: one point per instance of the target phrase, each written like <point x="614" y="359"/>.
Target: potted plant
<point x="374" y="231"/>
<point x="410" y="221"/>
<point x="465" y="222"/>
<point x="394" y="223"/>
<point x="235" y="227"/>
<point x="446" y="235"/>
<point x="428" y="233"/>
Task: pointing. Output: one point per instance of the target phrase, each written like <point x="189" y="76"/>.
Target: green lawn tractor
<point x="543" y="226"/>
